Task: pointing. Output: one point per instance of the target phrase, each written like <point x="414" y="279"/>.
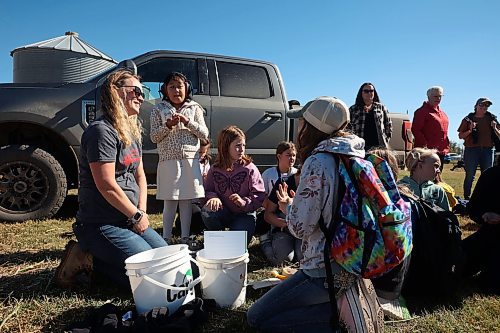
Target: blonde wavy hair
<point x="129" y="128"/>
<point x="418" y="155"/>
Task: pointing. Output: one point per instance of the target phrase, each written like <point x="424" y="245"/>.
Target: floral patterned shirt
<point x="179" y="142"/>
<point x="315" y="196"/>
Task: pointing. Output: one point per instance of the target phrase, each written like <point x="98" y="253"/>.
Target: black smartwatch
<point x="136" y="217"/>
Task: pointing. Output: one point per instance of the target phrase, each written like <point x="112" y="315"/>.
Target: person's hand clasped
<point x="176" y="119"/>
<point x="142" y="225"/>
<point x="237" y="200"/>
<point x="213" y="204"/>
<point x="182" y="118"/>
<point x="171" y="122"/>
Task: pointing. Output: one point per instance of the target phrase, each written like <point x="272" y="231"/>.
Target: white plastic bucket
<point x="225" y="279"/>
<point x="161" y="277"/>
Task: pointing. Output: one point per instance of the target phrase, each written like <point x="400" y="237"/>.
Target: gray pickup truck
<point x="41" y="124"/>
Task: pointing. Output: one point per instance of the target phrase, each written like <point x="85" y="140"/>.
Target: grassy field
<point x="30" y="302"/>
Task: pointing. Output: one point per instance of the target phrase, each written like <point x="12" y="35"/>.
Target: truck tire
<point x="32" y="183"/>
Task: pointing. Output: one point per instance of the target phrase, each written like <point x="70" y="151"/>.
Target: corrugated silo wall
<point x="50" y="66"/>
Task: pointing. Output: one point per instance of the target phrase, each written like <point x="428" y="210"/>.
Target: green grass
<point x="30" y="302"/>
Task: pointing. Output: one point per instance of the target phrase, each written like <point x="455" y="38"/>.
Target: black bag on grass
<point x="110" y="318"/>
<point x="437" y="259"/>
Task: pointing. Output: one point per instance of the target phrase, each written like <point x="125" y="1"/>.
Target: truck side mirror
<point x="292" y="103"/>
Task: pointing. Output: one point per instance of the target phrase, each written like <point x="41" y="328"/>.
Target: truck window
<point x="247" y="81"/>
<point x="153" y="73"/>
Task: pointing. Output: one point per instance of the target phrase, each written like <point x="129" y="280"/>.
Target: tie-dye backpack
<point x="372" y="226"/>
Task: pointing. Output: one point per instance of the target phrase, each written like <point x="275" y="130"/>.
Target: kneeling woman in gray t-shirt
<point x="111" y="223"/>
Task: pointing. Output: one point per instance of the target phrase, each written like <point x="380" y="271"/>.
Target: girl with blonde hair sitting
<point x="424" y="166"/>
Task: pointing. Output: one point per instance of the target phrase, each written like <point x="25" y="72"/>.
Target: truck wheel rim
<point x="23" y="187"/>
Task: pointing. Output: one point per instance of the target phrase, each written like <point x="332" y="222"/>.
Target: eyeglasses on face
<point x="368" y="91"/>
<point x="484" y="105"/>
<point x="137" y="91"/>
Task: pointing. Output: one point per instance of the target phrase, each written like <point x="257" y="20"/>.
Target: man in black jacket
<point x="483" y="247"/>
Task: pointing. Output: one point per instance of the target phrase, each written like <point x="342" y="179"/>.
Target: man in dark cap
<point x="479" y="130"/>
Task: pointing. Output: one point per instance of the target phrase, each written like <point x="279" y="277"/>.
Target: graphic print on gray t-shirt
<point x="100" y="143"/>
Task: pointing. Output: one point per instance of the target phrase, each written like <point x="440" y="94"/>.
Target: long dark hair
<point x="359" y="96"/>
<point x="180" y="76"/>
<point x="208" y="157"/>
<point x="284" y="146"/>
<point x="308" y="138"/>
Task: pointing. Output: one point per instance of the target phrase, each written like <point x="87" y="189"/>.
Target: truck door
<point x="249" y="96"/>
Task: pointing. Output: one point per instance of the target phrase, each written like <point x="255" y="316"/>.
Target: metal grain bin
<point x="61" y="59"/>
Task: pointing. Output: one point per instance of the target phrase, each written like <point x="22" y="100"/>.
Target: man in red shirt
<point x="430" y="124"/>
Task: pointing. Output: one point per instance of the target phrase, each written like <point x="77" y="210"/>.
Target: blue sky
<point x="321" y="47"/>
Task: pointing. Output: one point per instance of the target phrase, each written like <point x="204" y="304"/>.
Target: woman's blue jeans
<point x="474" y="156"/>
<point x="224" y="218"/>
<point x="297" y="304"/>
<point x="111" y="245"/>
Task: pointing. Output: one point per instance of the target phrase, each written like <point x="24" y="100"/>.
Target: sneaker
<point x="395" y="309"/>
<point x="75" y="267"/>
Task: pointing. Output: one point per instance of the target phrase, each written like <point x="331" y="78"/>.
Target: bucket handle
<point x="189" y="286"/>
<point x="245" y="283"/>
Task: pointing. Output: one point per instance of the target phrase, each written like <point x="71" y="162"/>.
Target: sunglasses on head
<point x="137" y="91"/>
<point x="367" y="91"/>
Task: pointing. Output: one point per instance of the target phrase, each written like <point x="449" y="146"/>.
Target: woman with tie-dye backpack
<point x="301" y="303"/>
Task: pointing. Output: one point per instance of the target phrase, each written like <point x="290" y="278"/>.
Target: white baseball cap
<point x="327" y="114"/>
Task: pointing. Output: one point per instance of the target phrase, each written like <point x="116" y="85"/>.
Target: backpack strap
<point x="329" y="232"/>
<point x="494" y="137"/>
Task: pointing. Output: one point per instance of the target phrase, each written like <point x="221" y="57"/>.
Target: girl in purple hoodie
<point x="234" y="189"/>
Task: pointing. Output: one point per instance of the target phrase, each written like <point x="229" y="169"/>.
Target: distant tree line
<point x="456" y="147"/>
